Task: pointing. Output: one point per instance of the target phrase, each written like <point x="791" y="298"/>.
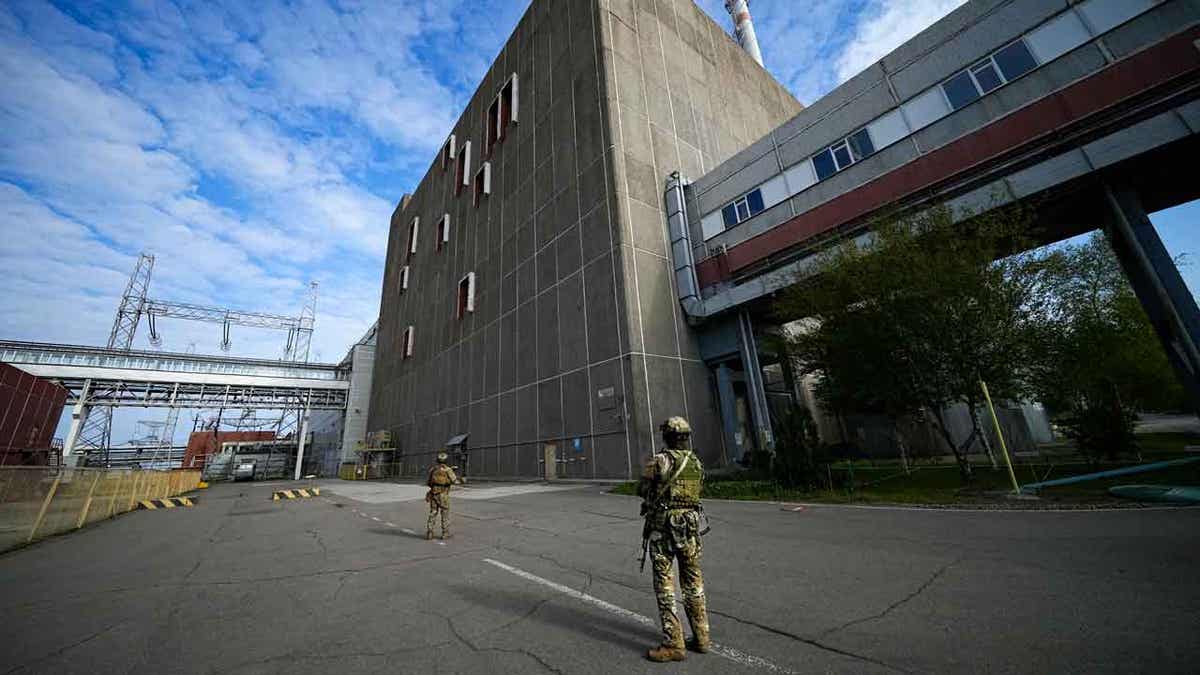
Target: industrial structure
<point x="1088" y="110"/>
<point x="546" y="296"/>
<point x="528" y="297"/>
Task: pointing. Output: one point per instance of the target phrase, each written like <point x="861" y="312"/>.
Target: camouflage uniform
<point x="670" y="488"/>
<point x="439" y="480"/>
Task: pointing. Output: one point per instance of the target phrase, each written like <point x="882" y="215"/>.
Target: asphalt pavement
<point x="545" y="578"/>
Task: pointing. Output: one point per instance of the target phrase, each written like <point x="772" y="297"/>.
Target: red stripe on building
<point x="1120" y="81"/>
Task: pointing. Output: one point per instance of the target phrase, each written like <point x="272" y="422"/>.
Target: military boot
<point x="428" y="535"/>
<point x="665" y="653"/>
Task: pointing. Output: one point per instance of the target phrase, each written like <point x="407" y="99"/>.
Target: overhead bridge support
<point x="1158" y="285"/>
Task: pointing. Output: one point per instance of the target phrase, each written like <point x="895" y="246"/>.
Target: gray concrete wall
<point x="574" y="297"/>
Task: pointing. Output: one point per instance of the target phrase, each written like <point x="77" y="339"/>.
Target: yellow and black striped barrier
<point x="167" y="503"/>
<point x="295" y="494"/>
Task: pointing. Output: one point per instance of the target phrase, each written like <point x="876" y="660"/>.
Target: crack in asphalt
<point x="899" y="603"/>
<point x="65" y="648"/>
<point x="254" y="580"/>
<point x="808" y="641"/>
<point x="478" y="650"/>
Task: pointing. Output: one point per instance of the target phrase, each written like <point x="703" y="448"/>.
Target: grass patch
<point x="939" y="484"/>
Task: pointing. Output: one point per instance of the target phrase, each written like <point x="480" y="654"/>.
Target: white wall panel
<point x="926" y="108"/>
<point x="1058" y="37"/>
<point x="1104" y="15"/>
<point x="888" y="129"/>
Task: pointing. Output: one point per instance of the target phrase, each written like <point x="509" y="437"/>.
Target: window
<point x="412" y="235"/>
<point x="466" y="296"/>
<point x="404" y="278"/>
<point x="406" y="343"/>
<point x="960" y="89"/>
<point x="986" y="76"/>
<point x="854" y="148"/>
<point x="823" y="164"/>
<point x="462" y="170"/>
<point x="743" y="208"/>
<point x="508" y="106"/>
<point x="443" y="237"/>
<point x="449" y="152"/>
<point x="989" y="74"/>
<point x="861" y="145"/>
<point x="491" y="127"/>
<point x="483" y="182"/>
<point x="1015" y="60"/>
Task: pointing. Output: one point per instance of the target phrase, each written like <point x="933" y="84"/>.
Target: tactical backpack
<point x="440" y="476"/>
<point x="683" y="485"/>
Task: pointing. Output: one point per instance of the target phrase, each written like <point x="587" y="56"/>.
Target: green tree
<point x="912" y="320"/>
<point x="1100" y="360"/>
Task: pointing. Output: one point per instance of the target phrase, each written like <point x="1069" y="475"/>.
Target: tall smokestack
<point x="743" y="27"/>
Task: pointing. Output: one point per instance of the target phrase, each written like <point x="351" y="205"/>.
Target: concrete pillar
<point x="755" y="387"/>
<point x="1158" y="285"/>
<point x="728" y="412"/>
<point x="300" y="442"/>
<point x="79" y="414"/>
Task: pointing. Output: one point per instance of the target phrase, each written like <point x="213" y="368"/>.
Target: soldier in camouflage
<point x="440" y="478"/>
<point x="670" y="491"/>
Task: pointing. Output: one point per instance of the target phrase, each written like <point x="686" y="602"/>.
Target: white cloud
<point x="886" y="25"/>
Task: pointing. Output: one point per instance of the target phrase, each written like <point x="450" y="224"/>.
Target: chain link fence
<point x="37" y="502"/>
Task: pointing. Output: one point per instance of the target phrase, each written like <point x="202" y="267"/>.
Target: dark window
<point x="960" y="89"/>
<point x="861" y="145"/>
<point x="491" y="123"/>
<point x="507" y="100"/>
<point x="823" y="164"/>
<point x="841" y="152"/>
<point x="1015" y="60"/>
<point x="755" y="201"/>
<point x="729" y="215"/>
<point x="443" y="232"/>
<point x="466" y="296"/>
<point x="987" y="77"/>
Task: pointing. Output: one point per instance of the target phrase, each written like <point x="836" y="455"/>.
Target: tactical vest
<point x="440" y="476"/>
<point x="684" y="491"/>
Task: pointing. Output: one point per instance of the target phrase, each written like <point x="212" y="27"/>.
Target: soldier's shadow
<point x="521" y="608"/>
<point x="395" y="532"/>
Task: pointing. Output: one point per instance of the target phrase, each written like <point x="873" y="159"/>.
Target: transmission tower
<point x="97" y="427"/>
<point x="96" y="433"/>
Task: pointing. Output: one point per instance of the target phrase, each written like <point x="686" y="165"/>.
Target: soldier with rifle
<point x="670" y="492"/>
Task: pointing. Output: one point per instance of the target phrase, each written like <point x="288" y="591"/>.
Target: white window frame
<point x="845" y="142"/>
<point x="486" y="189"/>
<point x="449" y="152"/>
<point x="470" y="305"/>
<point x="467" y="175"/>
<point x="444" y="228"/>
<point x="413" y="230"/>
<point x="404" y="278"/>
<point x="516" y="98"/>
<point x="408" y="342"/>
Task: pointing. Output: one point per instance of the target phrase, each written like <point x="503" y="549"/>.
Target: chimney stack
<point x="743" y="27"/>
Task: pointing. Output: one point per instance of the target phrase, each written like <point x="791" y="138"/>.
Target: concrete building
<point x="1087" y="109"/>
<point x="528" y="297"/>
<point x="335" y="434"/>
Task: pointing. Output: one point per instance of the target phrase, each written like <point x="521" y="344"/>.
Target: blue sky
<point x="255" y="146"/>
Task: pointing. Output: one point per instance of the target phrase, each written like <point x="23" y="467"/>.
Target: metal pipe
<point x="1141" y="468"/>
<point x="743" y="27"/>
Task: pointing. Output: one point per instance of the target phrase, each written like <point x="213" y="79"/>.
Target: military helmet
<point x="676" y="425"/>
<point x="442" y="457"/>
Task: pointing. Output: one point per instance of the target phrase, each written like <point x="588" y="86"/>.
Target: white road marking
<point x="407" y="531"/>
<point x="390" y="524"/>
<point x="731" y="654"/>
<point x="377" y="519"/>
<point x="441" y="543"/>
